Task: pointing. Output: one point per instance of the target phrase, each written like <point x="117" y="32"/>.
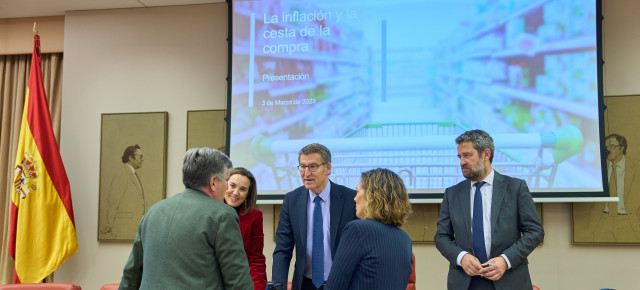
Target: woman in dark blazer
<point x="374" y="253"/>
<point x="242" y="195"/>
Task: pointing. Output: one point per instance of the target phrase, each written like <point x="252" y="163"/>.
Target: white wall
<point x="174" y="59"/>
<point x="132" y="60"/>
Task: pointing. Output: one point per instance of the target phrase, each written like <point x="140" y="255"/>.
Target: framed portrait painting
<point x="207" y="128"/>
<point x="615" y="223"/>
<point x="133" y="150"/>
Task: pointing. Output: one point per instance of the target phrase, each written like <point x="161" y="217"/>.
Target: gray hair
<point x="202" y="163"/>
<point x="316" y="148"/>
<point x="480" y="140"/>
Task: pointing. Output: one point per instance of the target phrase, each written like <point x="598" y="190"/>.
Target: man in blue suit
<point x="302" y="213"/>
<point x="487" y="248"/>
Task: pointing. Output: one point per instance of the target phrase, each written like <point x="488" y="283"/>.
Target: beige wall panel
<point x="621" y="37"/>
<point x="170" y="59"/>
<point x="16" y="34"/>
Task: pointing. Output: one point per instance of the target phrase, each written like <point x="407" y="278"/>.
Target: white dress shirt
<point x="487" y="196"/>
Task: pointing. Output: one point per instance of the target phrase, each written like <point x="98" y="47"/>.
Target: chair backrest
<point x="412" y="279"/>
<point x="41" y="286"/>
<point x="113" y="286"/>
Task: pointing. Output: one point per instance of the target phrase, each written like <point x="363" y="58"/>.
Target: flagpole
<point x="36" y="39"/>
<point x="41" y="203"/>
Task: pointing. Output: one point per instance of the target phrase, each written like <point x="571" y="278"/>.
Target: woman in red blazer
<point x="242" y="195"/>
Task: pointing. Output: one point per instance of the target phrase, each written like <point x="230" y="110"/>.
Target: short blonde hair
<point x="386" y="195"/>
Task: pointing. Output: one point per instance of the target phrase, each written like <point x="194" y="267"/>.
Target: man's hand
<point x="493" y="269"/>
<point x="470" y="265"/>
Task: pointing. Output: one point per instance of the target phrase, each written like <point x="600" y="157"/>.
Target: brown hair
<point x="386" y="195"/>
<point x="252" y="195"/>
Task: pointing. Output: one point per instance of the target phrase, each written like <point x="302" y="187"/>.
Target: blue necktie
<point x="478" y="229"/>
<point x="317" y="253"/>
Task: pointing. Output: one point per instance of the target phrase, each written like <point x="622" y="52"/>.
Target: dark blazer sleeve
<point x="253" y="239"/>
<point x="343" y="210"/>
<point x="445" y="238"/>
<point x="284" y="243"/>
<point x="530" y="232"/>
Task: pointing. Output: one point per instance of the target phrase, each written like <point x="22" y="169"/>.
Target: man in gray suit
<point x="507" y="228"/>
<point x="191" y="240"/>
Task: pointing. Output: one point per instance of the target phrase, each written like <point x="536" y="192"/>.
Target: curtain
<point x="14" y="75"/>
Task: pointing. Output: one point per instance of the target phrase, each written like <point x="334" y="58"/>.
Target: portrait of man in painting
<point x="125" y="202"/>
<point x="132" y="171"/>
<point x="615" y="222"/>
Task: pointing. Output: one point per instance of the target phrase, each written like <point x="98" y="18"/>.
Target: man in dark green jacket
<point x="191" y="240"/>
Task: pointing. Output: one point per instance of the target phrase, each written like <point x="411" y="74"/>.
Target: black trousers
<point x="307" y="284"/>
<point x="480" y="283"/>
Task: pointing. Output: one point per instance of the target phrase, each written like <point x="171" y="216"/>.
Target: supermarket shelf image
<point x="432" y="162"/>
<point x="394" y="85"/>
<point x="333" y="89"/>
<point x="334" y="72"/>
<point x="536" y="69"/>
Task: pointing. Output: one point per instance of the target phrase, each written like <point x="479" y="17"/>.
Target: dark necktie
<point x="613" y="191"/>
<point x="478" y="229"/>
<point x="613" y="183"/>
<point x="317" y="253"/>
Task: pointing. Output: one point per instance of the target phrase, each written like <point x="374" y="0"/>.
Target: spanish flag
<point x="42" y="229"/>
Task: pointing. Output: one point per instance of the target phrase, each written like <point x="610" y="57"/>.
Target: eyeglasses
<point x="611" y="146"/>
<point x="313" y="167"/>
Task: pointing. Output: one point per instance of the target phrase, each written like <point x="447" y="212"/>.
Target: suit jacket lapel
<point x="629" y="173"/>
<point x="133" y="177"/>
<point x="499" y="190"/>
<point x="465" y="204"/>
<point x="301" y="204"/>
<point x="337" y="205"/>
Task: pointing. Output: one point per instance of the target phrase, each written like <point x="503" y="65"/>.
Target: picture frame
<point x="133" y="158"/>
<point x="422" y="223"/>
<point x="612" y="223"/>
<point x="207" y="128"/>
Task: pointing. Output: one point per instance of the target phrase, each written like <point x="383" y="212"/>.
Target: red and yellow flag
<point x="42" y="230"/>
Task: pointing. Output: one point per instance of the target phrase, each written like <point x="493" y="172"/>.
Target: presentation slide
<point x="392" y="83"/>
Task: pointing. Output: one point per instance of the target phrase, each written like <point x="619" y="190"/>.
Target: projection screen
<point x="392" y="84"/>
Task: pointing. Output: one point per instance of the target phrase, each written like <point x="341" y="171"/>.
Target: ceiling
<point x="36" y="8"/>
